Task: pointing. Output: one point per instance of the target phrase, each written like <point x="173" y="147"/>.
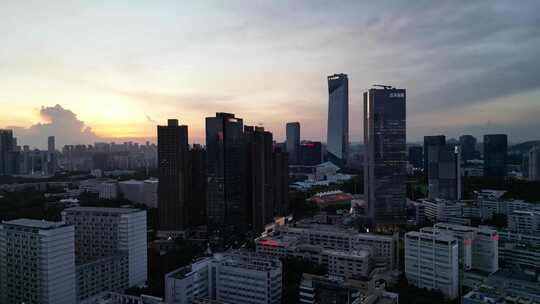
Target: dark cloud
<point x="59" y="122"/>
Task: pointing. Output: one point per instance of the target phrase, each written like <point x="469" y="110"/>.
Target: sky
<point x="112" y="70"/>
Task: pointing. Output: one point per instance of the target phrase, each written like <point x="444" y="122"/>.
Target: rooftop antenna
<point x="386" y="87"/>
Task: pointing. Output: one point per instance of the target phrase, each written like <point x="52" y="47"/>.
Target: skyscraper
<point x="293" y="142"/>
<point x="174" y="172"/>
<point x="444" y="172"/>
<point x="225" y="208"/>
<point x="468" y="147"/>
<point x="337" y="139"/>
<point x="385" y="161"/>
<point x="432" y="141"/>
<point x="495" y="155"/>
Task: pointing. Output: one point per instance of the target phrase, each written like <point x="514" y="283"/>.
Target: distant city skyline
<point x="119" y="69"/>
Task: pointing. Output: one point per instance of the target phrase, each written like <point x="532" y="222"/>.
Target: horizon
<point x="102" y="72"/>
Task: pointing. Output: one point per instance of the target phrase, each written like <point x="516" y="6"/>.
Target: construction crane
<point x="386" y="87"/>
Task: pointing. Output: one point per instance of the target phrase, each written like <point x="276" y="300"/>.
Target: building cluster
<point x="450" y="257"/>
<point x="15" y="160"/>
<point x="445" y="162"/>
<point x="239" y="182"/>
<point x="109" y="156"/>
<point x="342" y="251"/>
<point x="91" y="251"/>
<point x="522" y="216"/>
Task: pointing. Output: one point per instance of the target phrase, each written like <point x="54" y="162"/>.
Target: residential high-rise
<point x="281" y="182"/>
<point x="468" y="147"/>
<point x="51" y="156"/>
<point x="534" y="164"/>
<point x="174" y="176"/>
<point x="8" y="155"/>
<point x="444" y="172"/>
<point x="198" y="185"/>
<point x="228" y="278"/>
<point x="293" y="142"/>
<point x="429" y="142"/>
<point x="385" y="161"/>
<point x="495" y="155"/>
<point x="258" y="177"/>
<point x="110" y="248"/>
<point x="337" y="140"/>
<point x="37" y="262"/>
<point x="415" y="157"/>
<point x="432" y="262"/>
<point x="225" y="207"/>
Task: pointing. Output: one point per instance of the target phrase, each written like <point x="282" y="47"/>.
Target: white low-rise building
<point x="236" y="277"/>
<point x="432" y="262"/>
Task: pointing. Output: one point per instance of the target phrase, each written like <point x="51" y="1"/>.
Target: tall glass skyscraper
<point x="337" y="139"/>
<point x="385" y="161"/>
<point x="293" y="142"/>
<point x="224" y="156"/>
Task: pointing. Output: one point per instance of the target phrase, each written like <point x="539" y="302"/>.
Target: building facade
<point x="337" y="140"/>
<point x="385" y="161"/>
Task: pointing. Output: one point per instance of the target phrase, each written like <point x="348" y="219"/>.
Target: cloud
<point x="59" y="122"/>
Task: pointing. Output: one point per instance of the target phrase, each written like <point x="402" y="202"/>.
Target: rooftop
<point x="103" y="209"/>
<point x="40" y="224"/>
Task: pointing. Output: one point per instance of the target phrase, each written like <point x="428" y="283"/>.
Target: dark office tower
<point x="337" y="144"/>
<point x="198" y="185"/>
<point x="468" y="147"/>
<point x="225" y="208"/>
<point x="281" y="182"/>
<point x="444" y="172"/>
<point x="174" y="179"/>
<point x="8" y="155"/>
<point x="293" y="142"/>
<point x="385" y="161"/>
<point x="432" y="141"/>
<point x="416" y="156"/>
<point x="310" y="153"/>
<point x="495" y="155"/>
